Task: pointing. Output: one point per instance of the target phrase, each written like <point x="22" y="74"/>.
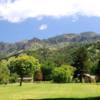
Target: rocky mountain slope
<point x="53" y="42"/>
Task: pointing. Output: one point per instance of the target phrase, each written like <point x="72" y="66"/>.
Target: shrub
<point x="4" y="72"/>
<point x="62" y="74"/>
<point x="59" y="75"/>
<point x="47" y="69"/>
<point x="13" y="78"/>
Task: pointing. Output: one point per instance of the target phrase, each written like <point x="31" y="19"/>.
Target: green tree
<point x="81" y="62"/>
<point x="24" y="65"/>
<point x="47" y="69"/>
<point x="4" y="72"/>
<point x="97" y="71"/>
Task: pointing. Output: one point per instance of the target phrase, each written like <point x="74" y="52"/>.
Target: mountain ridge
<point x="53" y="42"/>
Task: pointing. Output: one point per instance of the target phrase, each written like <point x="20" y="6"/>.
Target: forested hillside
<point x="56" y="42"/>
<point x="64" y="58"/>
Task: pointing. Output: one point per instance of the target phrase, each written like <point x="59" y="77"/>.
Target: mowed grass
<point x="45" y="91"/>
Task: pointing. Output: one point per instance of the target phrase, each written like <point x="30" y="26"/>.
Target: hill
<point x="56" y="42"/>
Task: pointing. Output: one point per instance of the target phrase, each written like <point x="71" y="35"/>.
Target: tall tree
<point x="81" y="62"/>
<point x="98" y="71"/>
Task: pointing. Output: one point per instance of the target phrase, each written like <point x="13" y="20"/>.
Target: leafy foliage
<point x="81" y="62"/>
<point x="40" y="58"/>
<point x="47" y="69"/>
<point x="4" y="72"/>
<point x="62" y="74"/>
<point x="24" y="65"/>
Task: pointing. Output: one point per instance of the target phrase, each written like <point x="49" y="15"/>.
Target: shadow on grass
<point x="89" y="98"/>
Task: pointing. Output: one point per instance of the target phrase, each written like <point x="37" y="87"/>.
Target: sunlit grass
<point x="48" y="90"/>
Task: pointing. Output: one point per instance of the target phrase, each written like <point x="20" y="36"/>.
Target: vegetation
<point x="82" y="62"/>
<point x="23" y="65"/>
<point x="62" y="74"/>
<point x="47" y="69"/>
<point x="4" y="72"/>
<point x="64" y="59"/>
<point x="51" y="61"/>
<point x="42" y="91"/>
<point x="7" y="49"/>
<point x="62" y="65"/>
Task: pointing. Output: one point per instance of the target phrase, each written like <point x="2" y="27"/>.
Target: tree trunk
<point x="21" y="80"/>
<point x="81" y="78"/>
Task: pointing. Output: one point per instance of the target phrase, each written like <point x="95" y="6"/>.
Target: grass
<point x="48" y="91"/>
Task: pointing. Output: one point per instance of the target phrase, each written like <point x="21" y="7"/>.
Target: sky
<point x="26" y="19"/>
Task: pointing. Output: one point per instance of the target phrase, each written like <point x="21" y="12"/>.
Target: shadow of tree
<point x="89" y="98"/>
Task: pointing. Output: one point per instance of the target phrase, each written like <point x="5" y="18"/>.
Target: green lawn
<point x="46" y="91"/>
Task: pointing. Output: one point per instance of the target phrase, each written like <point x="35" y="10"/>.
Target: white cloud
<point x="43" y="27"/>
<point x="19" y="10"/>
<point x="39" y="18"/>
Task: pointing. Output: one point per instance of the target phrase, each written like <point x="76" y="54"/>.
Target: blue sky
<point x="22" y="20"/>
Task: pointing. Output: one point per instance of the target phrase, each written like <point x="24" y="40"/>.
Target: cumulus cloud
<point x="19" y="10"/>
<point x="43" y="27"/>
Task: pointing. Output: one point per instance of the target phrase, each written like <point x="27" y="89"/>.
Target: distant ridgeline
<point x="60" y="41"/>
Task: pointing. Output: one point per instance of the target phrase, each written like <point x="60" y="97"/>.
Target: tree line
<point x="67" y="64"/>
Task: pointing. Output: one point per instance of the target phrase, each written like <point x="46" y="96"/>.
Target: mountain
<point x="82" y="37"/>
<point x="53" y="42"/>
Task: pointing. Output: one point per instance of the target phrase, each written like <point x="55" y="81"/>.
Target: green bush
<point x="59" y="75"/>
<point x="13" y="78"/>
<point x="4" y="72"/>
<point x="63" y="74"/>
<point x="47" y="69"/>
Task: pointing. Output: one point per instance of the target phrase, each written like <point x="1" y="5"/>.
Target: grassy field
<point x="47" y="91"/>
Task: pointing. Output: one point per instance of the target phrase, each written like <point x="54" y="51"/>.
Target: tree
<point x="47" y="69"/>
<point x="81" y="62"/>
<point x="4" y="72"/>
<point x="98" y="70"/>
<point x="24" y="65"/>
